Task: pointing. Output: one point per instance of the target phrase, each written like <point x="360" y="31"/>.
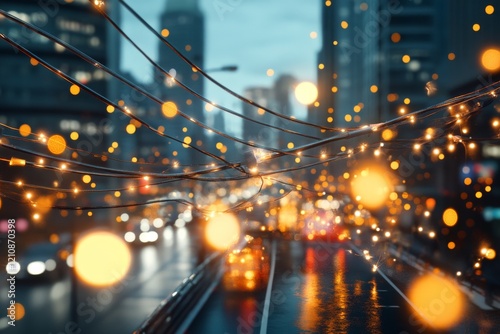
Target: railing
<point x="175" y="313"/>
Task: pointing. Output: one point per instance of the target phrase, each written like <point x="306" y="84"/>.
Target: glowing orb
<point x="101" y="258"/>
<point x="169" y="109"/>
<point x="371" y="188"/>
<point x="490" y="254"/>
<point x="306" y="92"/>
<point x="25" y="130"/>
<point x="222" y="231"/>
<point x="438" y="300"/>
<point x="450" y="217"/>
<point x="56" y="144"/>
<point x="490" y="59"/>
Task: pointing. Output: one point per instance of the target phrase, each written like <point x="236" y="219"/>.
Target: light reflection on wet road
<point x="157" y="270"/>
<point x="318" y="288"/>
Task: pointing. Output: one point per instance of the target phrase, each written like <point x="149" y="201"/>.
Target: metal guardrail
<point x="176" y="312"/>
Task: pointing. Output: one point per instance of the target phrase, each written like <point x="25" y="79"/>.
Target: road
<point x="328" y="288"/>
<point x="157" y="270"/>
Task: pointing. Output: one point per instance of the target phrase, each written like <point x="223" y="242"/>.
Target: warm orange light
<point x="222" y="231"/>
<point x="450" y="217"/>
<point x="165" y="32"/>
<point x="56" y="144"/>
<point x="101" y="258"/>
<point x="490" y="254"/>
<point x="74" y="90"/>
<point x="438" y="300"/>
<point x="306" y="92"/>
<point x="169" y="109"/>
<point x="25" y="130"/>
<point x="130" y="129"/>
<point x="396" y="37"/>
<point x="490" y="59"/>
<point x="371" y="187"/>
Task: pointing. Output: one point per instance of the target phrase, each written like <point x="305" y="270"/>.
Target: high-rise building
<point x="412" y="54"/>
<point x="182" y="24"/>
<point x="265" y="97"/>
<point x="348" y="65"/>
<point x="43" y="101"/>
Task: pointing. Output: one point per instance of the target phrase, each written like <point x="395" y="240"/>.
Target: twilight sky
<point x="256" y="35"/>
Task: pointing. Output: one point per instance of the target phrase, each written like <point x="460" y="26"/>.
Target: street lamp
<point x="226" y="68"/>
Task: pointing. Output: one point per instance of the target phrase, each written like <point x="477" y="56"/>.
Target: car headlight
<point x="50" y="265"/>
<point x="129" y="236"/>
<point x="36" y="268"/>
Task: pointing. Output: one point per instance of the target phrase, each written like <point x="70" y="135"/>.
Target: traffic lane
<point x="230" y="312"/>
<point x="328" y="288"/>
<point x="143" y="296"/>
<point x="403" y="274"/>
<point x="318" y="288"/>
<point x="47" y="305"/>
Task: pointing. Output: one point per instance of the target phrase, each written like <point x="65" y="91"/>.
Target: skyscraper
<point x="182" y="24"/>
<point x="42" y="102"/>
<point x="348" y="64"/>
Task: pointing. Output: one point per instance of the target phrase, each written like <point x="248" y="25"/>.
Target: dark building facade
<point x="43" y="102"/>
<point x="182" y="24"/>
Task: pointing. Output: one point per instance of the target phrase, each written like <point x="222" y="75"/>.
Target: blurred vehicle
<point x="256" y="229"/>
<point x="247" y="269"/>
<point x="325" y="225"/>
<point x="142" y="232"/>
<point x="44" y="260"/>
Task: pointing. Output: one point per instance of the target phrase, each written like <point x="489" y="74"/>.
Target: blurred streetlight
<point x="226" y="68"/>
<point x="306" y="92"/>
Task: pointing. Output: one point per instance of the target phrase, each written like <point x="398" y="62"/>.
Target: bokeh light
<point x="169" y="109"/>
<point x="371" y="187"/>
<point x="25" y="130"/>
<point x="490" y="59"/>
<point x="101" y="258"/>
<point x="450" y="217"/>
<point x="438" y="300"/>
<point x="56" y="144"/>
<point x="74" y="90"/>
<point x="222" y="231"/>
<point x="306" y="92"/>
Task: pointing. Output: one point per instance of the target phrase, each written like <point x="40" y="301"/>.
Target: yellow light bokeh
<point x="169" y="109"/>
<point x="74" y="90"/>
<point x="20" y="311"/>
<point x="25" y="130"/>
<point x="371" y="187"/>
<point x="130" y="129"/>
<point x="395" y="165"/>
<point x="406" y="59"/>
<point x="306" y="92"/>
<point x="222" y="231"/>
<point x="56" y="144"/>
<point x="86" y="178"/>
<point x="490" y="59"/>
<point x="74" y="135"/>
<point x="101" y="258"/>
<point x="438" y="300"/>
<point x="450" y="217"/>
<point x="489" y="9"/>
<point x="388" y="134"/>
<point x="490" y="254"/>
<point x="187" y="141"/>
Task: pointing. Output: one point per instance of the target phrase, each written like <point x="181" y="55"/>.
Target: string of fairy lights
<point x="273" y="177"/>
